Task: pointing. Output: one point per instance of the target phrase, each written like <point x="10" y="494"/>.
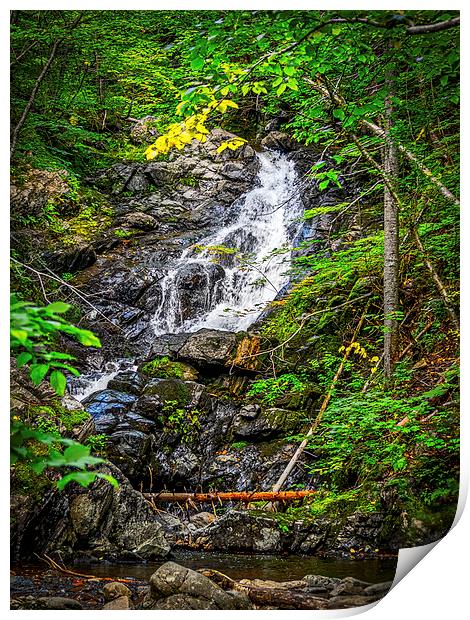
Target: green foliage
<point x="32" y="330"/>
<point x="163" y="367"/>
<point x="97" y="443"/>
<point x="269" y="390"/>
<point x="24" y="442"/>
<point x="182" y="421"/>
<point x="239" y="445"/>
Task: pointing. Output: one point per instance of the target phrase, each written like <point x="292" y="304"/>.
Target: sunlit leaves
<point x="233" y="145"/>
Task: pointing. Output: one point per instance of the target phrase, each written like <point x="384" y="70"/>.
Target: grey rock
<point x="140" y="221"/>
<point x="175" y="587"/>
<point x="378" y="589"/>
<point x="208" y="347"/>
<point x="278" y="141"/>
<point x="58" y="602"/>
<point x="201" y="519"/>
<point x="127" y="381"/>
<point x="344" y="602"/>
<point x="70" y="259"/>
<point x="269" y="423"/>
<point x="319" y="581"/>
<point x="115" y="589"/>
<point x="122" y="602"/>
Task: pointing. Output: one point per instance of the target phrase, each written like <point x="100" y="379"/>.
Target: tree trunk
<point x="391" y="242"/>
<point x="243" y="496"/>
<point x="32" y="97"/>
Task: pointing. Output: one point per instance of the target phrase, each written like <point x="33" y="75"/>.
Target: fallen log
<point x="242" y="496"/>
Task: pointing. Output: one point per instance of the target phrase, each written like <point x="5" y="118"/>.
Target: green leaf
<point x="281" y="89"/>
<point x="23" y="358"/>
<point x="76" y="452"/>
<point x="292" y="84"/>
<point x="339" y="114"/>
<point x="38" y="372"/>
<point x="20" y="335"/>
<point x="83" y="478"/>
<point x="58" y="382"/>
<point x="109" y="479"/>
<point x="197" y="63"/>
<point x="58" y="307"/>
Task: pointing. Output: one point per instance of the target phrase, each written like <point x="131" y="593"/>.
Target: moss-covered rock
<point x="164" y="368"/>
<point x="168" y="390"/>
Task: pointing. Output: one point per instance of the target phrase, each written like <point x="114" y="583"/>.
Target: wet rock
<point x="122" y="602"/>
<point x="167" y="345"/>
<point x="128" y="381"/>
<point x="344" y="602"/>
<point x="148" y="406"/>
<point x="139" y="220"/>
<point x="107" y="408"/>
<point x="269" y="423"/>
<point x="197" y="286"/>
<point x="378" y="589"/>
<point x="58" y="602"/>
<point x="129" y="449"/>
<point x="70" y="259"/>
<point x="201" y="519"/>
<point x="208" y="347"/>
<point x="278" y="141"/>
<point x="114" y="590"/>
<point x="175" y="587"/>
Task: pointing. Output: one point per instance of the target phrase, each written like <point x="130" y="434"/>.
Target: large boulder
<point x="175" y="587"/>
<point x="209" y="347"/>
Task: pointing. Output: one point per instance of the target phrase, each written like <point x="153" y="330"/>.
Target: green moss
<point x="164" y="368"/>
<point x="24" y="481"/>
<point x="169" y="390"/>
<point x="52" y="417"/>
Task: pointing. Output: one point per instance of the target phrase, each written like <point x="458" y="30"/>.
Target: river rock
<point x="175" y="587"/>
<point x="58" y="602"/>
<point x="378" y="589"/>
<point x="114" y="590"/>
<point x="122" y="602"/>
<point x="208" y="347"/>
<point x="139" y="220"/>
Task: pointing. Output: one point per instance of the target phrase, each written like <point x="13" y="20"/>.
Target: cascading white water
<point x="263" y="232"/>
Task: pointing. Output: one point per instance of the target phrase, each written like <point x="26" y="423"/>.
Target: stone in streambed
<point x="114" y="590"/>
<point x="58" y="602"/>
<point x="122" y="602"/>
<point x="175" y="587"/>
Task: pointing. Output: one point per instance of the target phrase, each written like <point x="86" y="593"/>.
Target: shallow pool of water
<point x="244" y="566"/>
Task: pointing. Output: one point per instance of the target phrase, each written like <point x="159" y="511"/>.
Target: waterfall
<point x="229" y="290"/>
<point x="225" y="281"/>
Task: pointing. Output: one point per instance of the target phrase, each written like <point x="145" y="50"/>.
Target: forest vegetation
<point x="369" y="322"/>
